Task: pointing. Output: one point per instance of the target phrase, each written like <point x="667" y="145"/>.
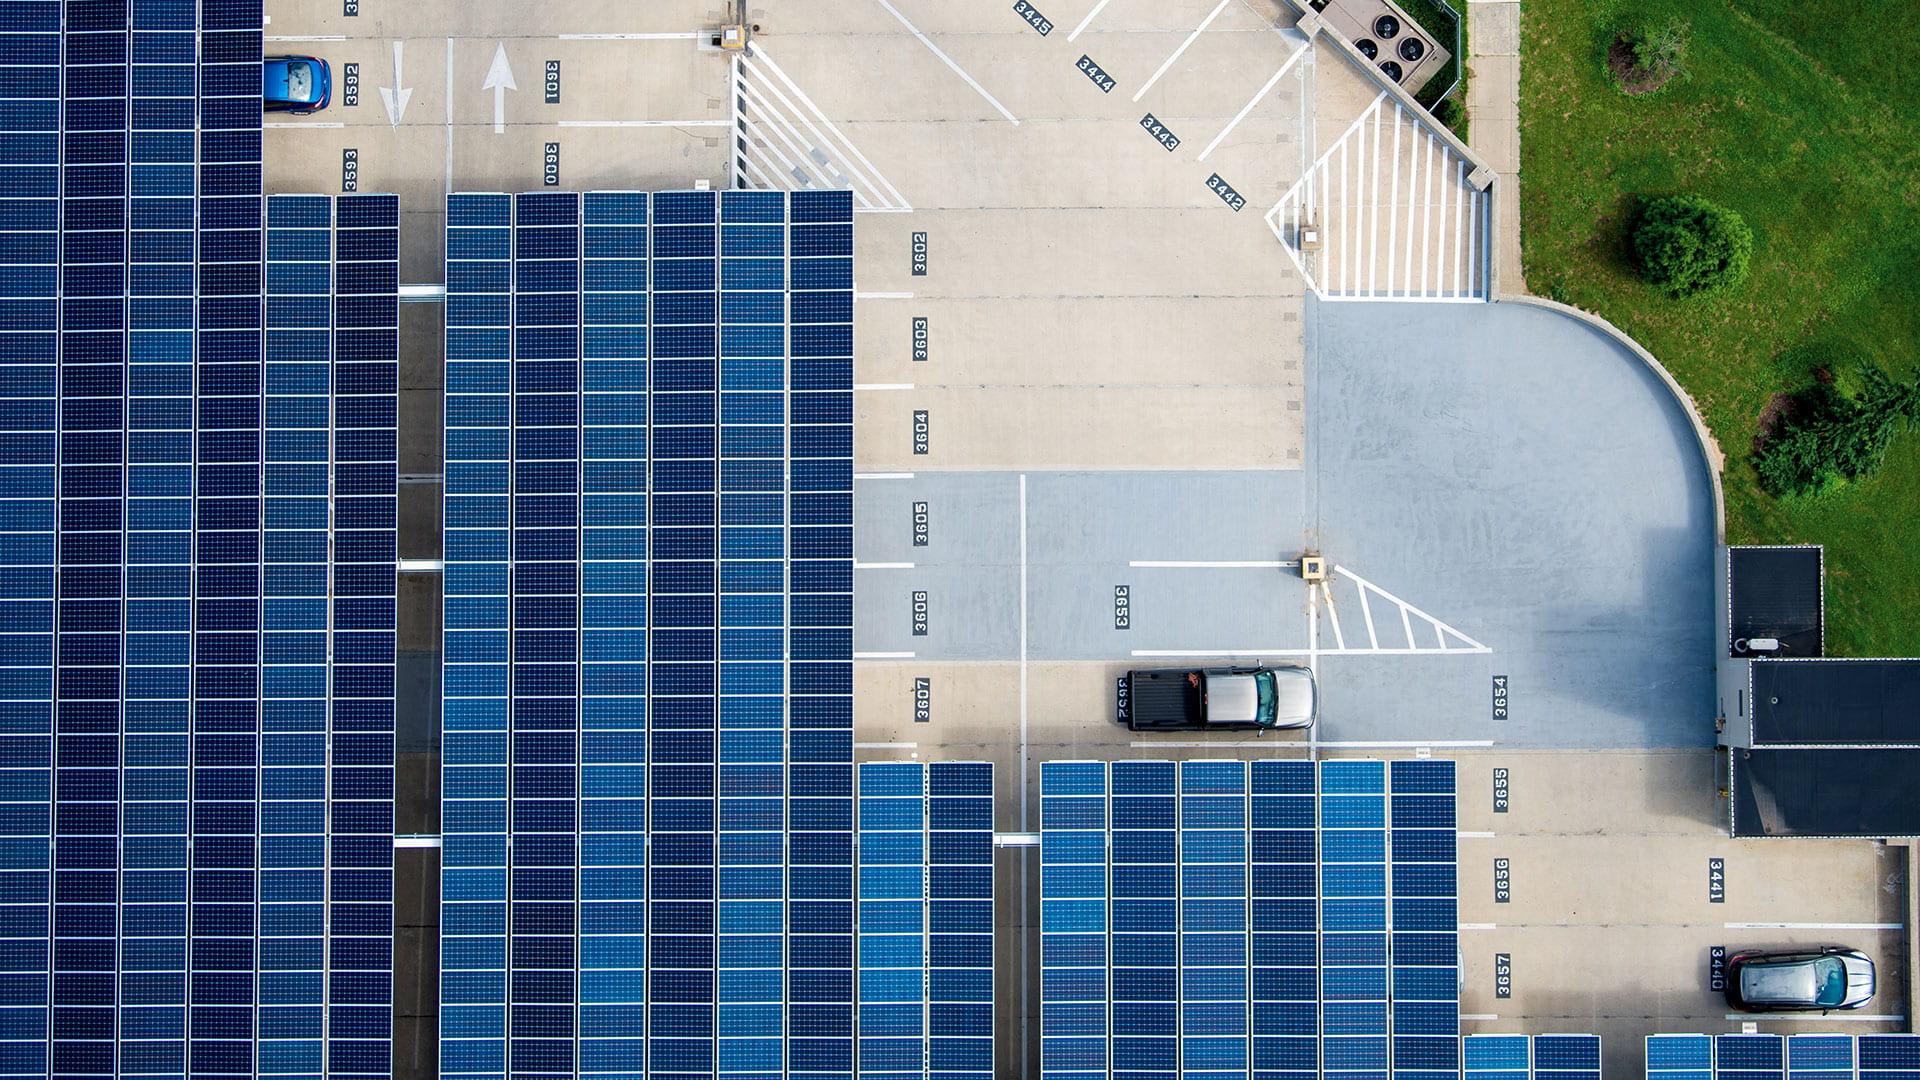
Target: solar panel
<point x="1267" y="920"/>
<point x="893" y="920"/>
<point x="1494" y="1057"/>
<point x="1353" y="940"/>
<point x="959" y="920"/>
<point x="1074" y="961"/>
<point x="1213" y="919"/>
<point x="1566" y="1057"/>
<point x="820" y="626"/>
<point x="1750" y="1057"/>
<point x="1146" y="919"/>
<point x="1819" y="1057"/>
<point x="1889" y="1057"/>
<point x="613" y="617"/>
<point x="1680" y="1057"/>
<point x="648" y="670"/>
<point x="752" y="647"/>
<point x="1425" y="942"/>
<point x="1283" y="849"/>
<point x="477" y="638"/>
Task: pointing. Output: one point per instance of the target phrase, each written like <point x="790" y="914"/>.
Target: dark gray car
<point x="1803" y="980"/>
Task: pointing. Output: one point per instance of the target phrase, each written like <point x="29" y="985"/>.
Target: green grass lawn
<point x="1800" y="115"/>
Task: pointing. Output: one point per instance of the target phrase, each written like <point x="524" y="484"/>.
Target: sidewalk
<point x="1493" y="113"/>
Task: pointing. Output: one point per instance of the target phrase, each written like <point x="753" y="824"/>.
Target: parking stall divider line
<point x="1254" y="101"/>
<point x="1097" y="8"/>
<point x="956" y="68"/>
<point x="1208" y="21"/>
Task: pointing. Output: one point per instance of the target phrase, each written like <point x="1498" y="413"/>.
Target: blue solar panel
<point x="1074" y="988"/>
<point x="613" y="671"/>
<point x="649" y="672"/>
<point x="1145" y="937"/>
<point x="1353" y="940"/>
<point x="218" y="825"/>
<point x="1213" y="920"/>
<point x="752" y="637"/>
<point x="477" y="639"/>
<point x="1566" y="1057"/>
<point x="1425" y="941"/>
<point x="1750" y="1057"/>
<point x="1276" y="920"/>
<point x="893" y="920"/>
<point x="820" y="619"/>
<point x="1283" y="848"/>
<point x="1680" y="1057"/>
<point x="1889" y="1057"/>
<point x="1494" y="1057"/>
<point x="29" y="319"/>
<point x="1819" y="1057"/>
<point x="959" y="921"/>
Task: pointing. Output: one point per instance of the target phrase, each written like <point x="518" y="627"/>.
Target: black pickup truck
<point x="1204" y="699"/>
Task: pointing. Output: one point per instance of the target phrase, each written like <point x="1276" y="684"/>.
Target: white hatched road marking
<point x="1374" y="186"/>
<point x="784" y="142"/>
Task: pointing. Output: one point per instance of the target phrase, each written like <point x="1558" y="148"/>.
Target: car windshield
<point x="1830" y="979"/>
<point x="1265" y="714"/>
<point x="300" y="81"/>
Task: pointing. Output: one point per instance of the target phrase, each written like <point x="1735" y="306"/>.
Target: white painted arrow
<point x="499" y="80"/>
<point x="396" y="96"/>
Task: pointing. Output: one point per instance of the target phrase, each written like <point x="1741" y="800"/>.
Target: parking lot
<point x="1100" y="414"/>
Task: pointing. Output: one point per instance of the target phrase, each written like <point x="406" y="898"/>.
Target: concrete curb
<point x="1716" y="461"/>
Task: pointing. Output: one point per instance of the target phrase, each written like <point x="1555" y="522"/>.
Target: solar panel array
<point x="649" y="636"/>
<point x="926" y="921"/>
<point x="1788" y="1057"/>
<point x="1280" y="919"/>
<point x="195" y="791"/>
<point x="1535" y="1057"/>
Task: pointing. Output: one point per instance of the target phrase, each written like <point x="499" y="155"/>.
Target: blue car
<point x="297" y="84"/>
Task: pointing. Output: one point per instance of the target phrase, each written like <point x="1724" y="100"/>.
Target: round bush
<point x="1687" y="245"/>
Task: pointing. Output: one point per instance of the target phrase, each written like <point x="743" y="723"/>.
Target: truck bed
<point x="1159" y="701"/>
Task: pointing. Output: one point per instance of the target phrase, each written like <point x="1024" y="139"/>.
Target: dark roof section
<point x="1836" y="702"/>
<point x="1826" y="792"/>
<point x="1774" y="592"/>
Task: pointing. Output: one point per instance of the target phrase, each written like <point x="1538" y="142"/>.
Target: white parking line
<point x="883" y="296"/>
<point x="886" y="746"/>
<point x="1178" y="564"/>
<point x="1815" y="926"/>
<point x="301" y="124"/>
<point x="883" y="656"/>
<point x="883" y="386"/>
<point x="883" y="566"/>
<point x="644" y="123"/>
<point x="1411" y="744"/>
<point x="883" y="476"/>
<point x="688" y="35"/>
<point x="1340" y="650"/>
<point x="1828" y="1017"/>
<point x="306" y="37"/>
<point x="957" y="69"/>
<point x="1208" y="21"/>
<point x="1255" y="100"/>
<point x="1083" y="22"/>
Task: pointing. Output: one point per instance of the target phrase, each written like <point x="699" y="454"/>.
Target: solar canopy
<point x="197" y="807"/>
<point x="649" y="790"/>
<point x="1792" y="1057"/>
<point x="1279" y="919"/>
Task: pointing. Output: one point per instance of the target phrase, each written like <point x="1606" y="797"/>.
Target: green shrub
<point x="1687" y="245"/>
<point x="1829" y="437"/>
<point x="1659" y="47"/>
